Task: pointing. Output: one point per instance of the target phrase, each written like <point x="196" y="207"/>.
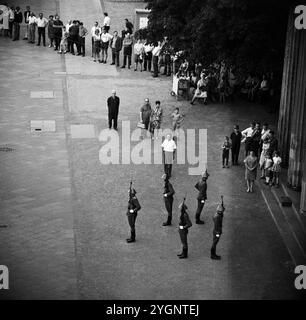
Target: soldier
<point x="168" y="198"/>
<point x="201" y="186"/>
<point x="184" y="224"/>
<point x="218" y="217"/>
<point x="133" y="208"/>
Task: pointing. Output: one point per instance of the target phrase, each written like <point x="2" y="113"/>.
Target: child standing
<point x="64" y="41"/>
<point x="268" y="164"/>
<point x="177" y="119"/>
<point x="225" y="152"/>
<point x="277" y="160"/>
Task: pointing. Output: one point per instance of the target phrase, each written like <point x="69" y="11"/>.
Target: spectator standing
<point x="169" y="148"/>
<point x="93" y="32"/>
<point x="251" y="164"/>
<point x="82" y="35"/>
<point x="32" y="27"/>
<point x="74" y="32"/>
<point x="105" y="40"/>
<point x="129" y="26"/>
<point x="106" y="22"/>
<point x="148" y="48"/>
<point x="113" y="103"/>
<point x="57" y="25"/>
<point x="68" y="25"/>
<point x="116" y="45"/>
<point x="17" y="21"/>
<point x="156" y="119"/>
<point x="64" y="41"/>
<point x="11" y="17"/>
<point x="127" y="50"/>
<point x="145" y="113"/>
<point x="26" y="15"/>
<point x="41" y="22"/>
<point x="256" y="137"/>
<point x="155" y="56"/>
<point x="225" y="152"/>
<point x="273" y="143"/>
<point x="138" y="54"/>
<point x="276" y="169"/>
<point x="177" y="120"/>
<point x="166" y="52"/>
<point x="201" y="91"/>
<point x="235" y="137"/>
<point x="247" y="138"/>
<point x="96" y="45"/>
<point x="51" y="31"/>
<point x="263" y="157"/>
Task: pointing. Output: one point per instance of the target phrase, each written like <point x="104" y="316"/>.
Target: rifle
<point x="222" y="201"/>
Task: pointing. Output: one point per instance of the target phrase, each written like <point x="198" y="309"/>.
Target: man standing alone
<point x="113" y="110"/>
<point x="236" y="140"/>
<point x="41" y="22"/>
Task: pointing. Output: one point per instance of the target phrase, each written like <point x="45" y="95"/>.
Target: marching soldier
<point x="184" y="224"/>
<point x="218" y="218"/>
<point x="133" y="208"/>
<point x="201" y="186"/>
<point x="168" y="198"/>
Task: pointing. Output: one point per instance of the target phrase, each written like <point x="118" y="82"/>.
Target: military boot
<point x="168" y="222"/>
<point x="132" y="238"/>
<point x="185" y="254"/>
<point x="213" y="254"/>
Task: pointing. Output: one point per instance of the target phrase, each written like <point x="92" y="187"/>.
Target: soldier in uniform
<point x="184" y="224"/>
<point x="201" y="186"/>
<point x="168" y="198"/>
<point x="218" y="218"/>
<point x="133" y="208"/>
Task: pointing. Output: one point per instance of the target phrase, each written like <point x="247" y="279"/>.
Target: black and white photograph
<point x="152" y="150"/>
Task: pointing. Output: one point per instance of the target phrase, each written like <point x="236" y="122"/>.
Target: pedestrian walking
<point x="168" y="199"/>
<point x="132" y="210"/>
<point x="201" y="186"/>
<point x="169" y="148"/>
<point x="217" y="219"/>
<point x="251" y="164"/>
<point x="226" y="147"/>
<point x="235" y="137"/>
<point x="184" y="225"/>
<point x="113" y="103"/>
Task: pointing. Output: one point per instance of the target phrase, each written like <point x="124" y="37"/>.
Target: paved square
<point x="42" y="95"/>
<point x="82" y="131"/>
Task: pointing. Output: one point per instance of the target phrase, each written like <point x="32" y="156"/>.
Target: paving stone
<point x="42" y="94"/>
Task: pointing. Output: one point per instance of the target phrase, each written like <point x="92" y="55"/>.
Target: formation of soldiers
<point x="184" y="220"/>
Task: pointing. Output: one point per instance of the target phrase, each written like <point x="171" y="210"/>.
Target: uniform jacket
<point x="184" y="221"/>
<point x="133" y="205"/>
<point x="218" y="218"/>
<point x="113" y="105"/>
<point x="201" y="186"/>
<point x="168" y="190"/>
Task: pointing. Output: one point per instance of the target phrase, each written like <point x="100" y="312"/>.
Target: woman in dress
<point x="156" y="119"/>
<point x="201" y="91"/>
<point x="276" y="168"/>
<point x="250" y="170"/>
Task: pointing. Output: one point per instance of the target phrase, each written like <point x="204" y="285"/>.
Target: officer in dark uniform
<point x="133" y="208"/>
<point x="218" y="218"/>
<point x="184" y="224"/>
<point x="168" y="198"/>
<point x="201" y="186"/>
<point x="113" y="110"/>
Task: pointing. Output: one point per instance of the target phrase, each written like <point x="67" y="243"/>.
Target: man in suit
<point x="26" y="15"/>
<point x="218" y="219"/>
<point x="132" y="210"/>
<point x="201" y="186"/>
<point x="184" y="225"/>
<point x="74" y="32"/>
<point x="235" y="137"/>
<point x="113" y="103"/>
<point x="168" y="198"/>
<point x="116" y="45"/>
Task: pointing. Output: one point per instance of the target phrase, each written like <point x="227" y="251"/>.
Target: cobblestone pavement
<point x="65" y="211"/>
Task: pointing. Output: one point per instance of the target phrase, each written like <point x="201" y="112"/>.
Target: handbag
<point x="141" y="125"/>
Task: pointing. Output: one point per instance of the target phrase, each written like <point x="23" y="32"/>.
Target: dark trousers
<point x="11" y="24"/>
<point x="215" y="241"/>
<point x="183" y="235"/>
<point x="168" y="205"/>
<point x="235" y="153"/>
<point x="112" y="117"/>
<point x="73" y="41"/>
<point x="167" y="69"/>
<point x="82" y="46"/>
<point x="147" y="61"/>
<point x="115" y="57"/>
<point x="225" y="157"/>
<point x="199" y="209"/>
<point x="127" y="58"/>
<point x="41" y="34"/>
<point x="16" y="32"/>
<point x="155" y="66"/>
<point x="57" y="41"/>
<point x="168" y="169"/>
<point x="132" y="219"/>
